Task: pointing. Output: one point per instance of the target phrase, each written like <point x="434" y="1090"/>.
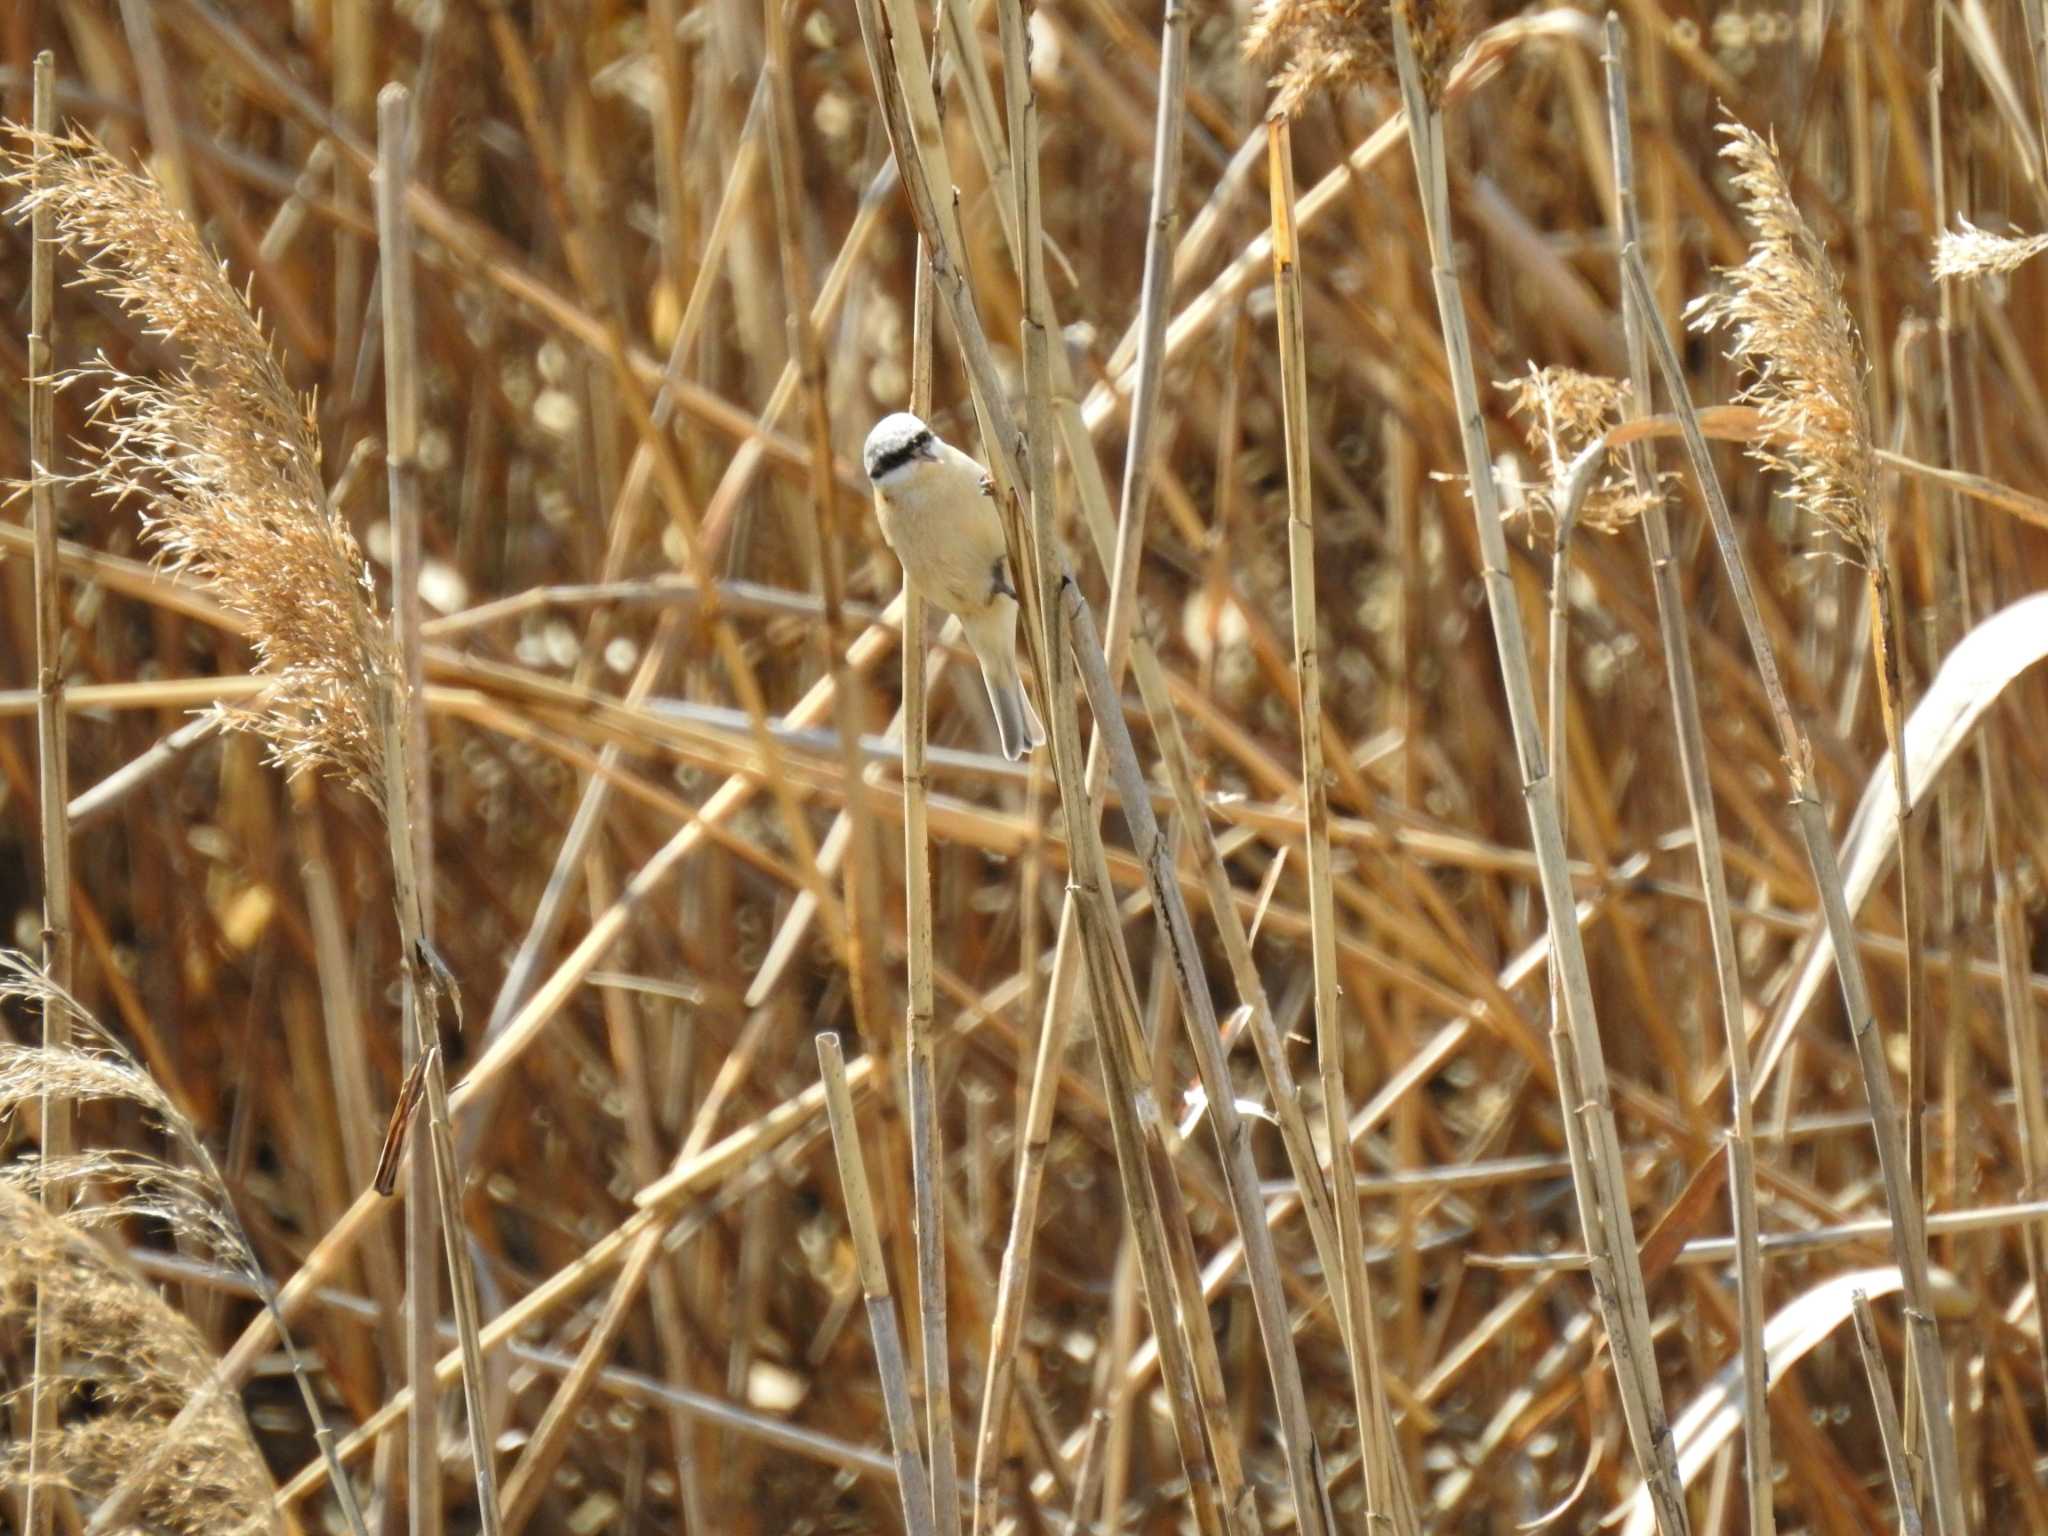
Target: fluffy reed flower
<point x="1802" y="362"/>
<point x="1972" y="252"/>
<point x="131" y="1365"/>
<point x="223" y="457"/>
<point x="138" y="1394"/>
<point x="1330" y="45"/>
<point x="1566" y="413"/>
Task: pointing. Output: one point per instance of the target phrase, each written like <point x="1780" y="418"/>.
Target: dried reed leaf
<point x="1968" y="251"/>
<point x="132" y="1365"/>
<point x="1794" y="1332"/>
<point x="223" y="456"/>
<point x="1798" y="349"/>
<point x="1982" y="666"/>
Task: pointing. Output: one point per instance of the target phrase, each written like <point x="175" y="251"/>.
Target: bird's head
<point x="897" y="447"/>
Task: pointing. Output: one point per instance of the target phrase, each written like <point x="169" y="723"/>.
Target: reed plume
<point x="1332" y="45"/>
<point x="1567" y="416"/>
<point x="139" y="1390"/>
<point x="1802" y="362"/>
<point x="1970" y="252"/>
<point x="223" y="456"/>
<point x="142" y="1370"/>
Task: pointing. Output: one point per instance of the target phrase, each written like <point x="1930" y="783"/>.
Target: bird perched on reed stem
<point x="938" y="513"/>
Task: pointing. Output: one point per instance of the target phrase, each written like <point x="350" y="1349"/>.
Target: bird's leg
<point x="999" y="583"/>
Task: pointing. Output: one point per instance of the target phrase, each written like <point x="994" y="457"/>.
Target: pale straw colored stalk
<point x="911" y="1479"/>
<point x="52" y="762"/>
<point x="408" y="815"/>
<point x="927" y="1149"/>
<point x="1350" y="1286"/>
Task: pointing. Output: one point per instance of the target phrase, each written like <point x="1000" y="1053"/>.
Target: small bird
<point x="938" y="512"/>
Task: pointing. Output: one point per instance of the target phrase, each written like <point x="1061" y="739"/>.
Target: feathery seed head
<point x="1801" y="359"/>
<point x="1565" y="413"/>
<point x="223" y="457"/>
<point x="1331" y="45"/>
<point x="1968" y="251"/>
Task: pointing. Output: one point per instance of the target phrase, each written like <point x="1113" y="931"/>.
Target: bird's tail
<point x="995" y="646"/>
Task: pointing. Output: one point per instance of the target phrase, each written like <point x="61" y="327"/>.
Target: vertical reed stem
<point x="1351" y="1288"/>
<point x="911" y="1479"/>
<point x="437" y="1185"/>
<point x="52" y="761"/>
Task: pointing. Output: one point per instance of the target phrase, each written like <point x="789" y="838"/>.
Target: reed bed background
<point x="1481" y="578"/>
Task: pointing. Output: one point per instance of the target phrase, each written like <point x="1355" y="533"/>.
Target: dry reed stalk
<point x="407" y="809"/>
<point x="52" y="760"/>
<point x="1599" y="1178"/>
<point x="1929" y="1375"/>
<point x="912" y="1480"/>
<point x="912" y="119"/>
<point x="1683" y="683"/>
<point x="423" y="1213"/>
<point x="1152" y="1193"/>
<point x="1804" y="373"/>
<point x="927" y="1149"/>
<point x="1182" y="956"/>
<point x="1895" y="1462"/>
<point x="1350" y="1287"/>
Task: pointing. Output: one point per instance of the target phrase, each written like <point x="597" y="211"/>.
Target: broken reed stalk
<point x="1350" y="1287"/>
<point x="1604" y="1205"/>
<point x="1909" y="1238"/>
<point x="1675" y="632"/>
<point x="52" y="761"/>
<point x="911" y="1479"/>
<point x="1896" y="1466"/>
<point x="407" y="815"/>
<point x="1183" y="959"/>
<point x="863" y="880"/>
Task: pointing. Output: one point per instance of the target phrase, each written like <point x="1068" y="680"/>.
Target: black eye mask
<point x="918" y="447"/>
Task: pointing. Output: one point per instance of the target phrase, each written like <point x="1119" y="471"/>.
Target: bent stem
<point x="1706" y="838"/>
<point x="1603" y="1197"/>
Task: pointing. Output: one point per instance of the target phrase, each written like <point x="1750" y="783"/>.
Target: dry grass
<point x="656" y="608"/>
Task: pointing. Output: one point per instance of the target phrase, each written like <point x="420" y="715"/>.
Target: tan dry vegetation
<point x="648" y="570"/>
